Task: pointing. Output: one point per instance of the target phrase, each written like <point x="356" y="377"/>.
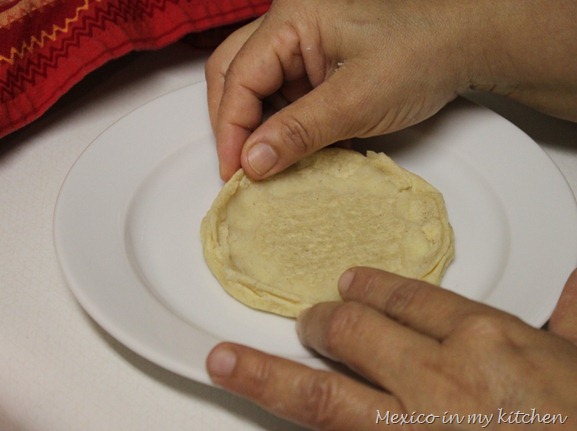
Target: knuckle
<point x="321" y="396"/>
<point x="488" y="327"/>
<point x="286" y="35"/>
<point x="296" y="136"/>
<point x="216" y="67"/>
<point x="257" y="378"/>
<point x="481" y="324"/>
<point x="230" y="76"/>
<point x="211" y="66"/>
<point x="341" y="326"/>
<point x="404" y="296"/>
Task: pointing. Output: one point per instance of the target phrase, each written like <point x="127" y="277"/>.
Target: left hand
<point x="345" y="70"/>
<point x="423" y="349"/>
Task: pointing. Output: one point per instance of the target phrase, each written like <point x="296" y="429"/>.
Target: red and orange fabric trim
<point x="47" y="46"/>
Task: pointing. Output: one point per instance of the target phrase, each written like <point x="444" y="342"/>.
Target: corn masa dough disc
<point x="280" y="245"/>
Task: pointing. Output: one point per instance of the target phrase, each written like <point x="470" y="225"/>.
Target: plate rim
<point x="100" y="316"/>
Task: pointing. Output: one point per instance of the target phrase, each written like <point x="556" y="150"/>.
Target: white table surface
<point x="58" y="370"/>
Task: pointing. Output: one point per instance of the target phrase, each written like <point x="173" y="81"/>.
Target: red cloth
<point x="47" y="46"/>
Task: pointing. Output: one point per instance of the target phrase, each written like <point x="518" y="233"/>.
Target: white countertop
<point x="59" y="370"/>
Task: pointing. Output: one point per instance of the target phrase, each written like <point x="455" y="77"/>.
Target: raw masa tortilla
<point x="280" y="245"/>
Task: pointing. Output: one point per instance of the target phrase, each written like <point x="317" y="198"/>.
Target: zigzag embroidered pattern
<point x="38" y="42"/>
<point x="74" y="37"/>
<point x="21" y="75"/>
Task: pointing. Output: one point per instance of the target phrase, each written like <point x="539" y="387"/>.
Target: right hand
<point x="424" y="350"/>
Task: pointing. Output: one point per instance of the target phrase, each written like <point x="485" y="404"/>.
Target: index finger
<point x="380" y="349"/>
<point x="427" y="308"/>
<point x="218" y="63"/>
<point x="271" y="56"/>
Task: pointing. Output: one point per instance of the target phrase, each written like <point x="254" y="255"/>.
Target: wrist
<point x="462" y="44"/>
<point x="472" y="41"/>
<point x="524" y="50"/>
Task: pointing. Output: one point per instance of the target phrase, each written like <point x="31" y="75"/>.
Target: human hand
<point x="348" y="71"/>
<point x="424" y="350"/>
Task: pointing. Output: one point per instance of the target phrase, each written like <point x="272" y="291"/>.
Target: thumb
<point x="325" y="115"/>
<point x="563" y="322"/>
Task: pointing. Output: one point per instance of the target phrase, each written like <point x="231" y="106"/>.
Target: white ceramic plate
<point x="128" y="216"/>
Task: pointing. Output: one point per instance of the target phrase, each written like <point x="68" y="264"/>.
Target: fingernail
<point x="221" y="362"/>
<point x="262" y="158"/>
<point x="345" y="281"/>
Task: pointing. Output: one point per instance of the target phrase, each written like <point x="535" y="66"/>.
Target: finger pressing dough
<point x="281" y="244"/>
